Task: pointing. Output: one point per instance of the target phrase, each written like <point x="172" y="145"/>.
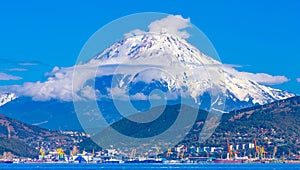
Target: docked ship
<point x="229" y="161"/>
<point x="5" y="161"/>
<point x="149" y="160"/>
<point x="231" y="156"/>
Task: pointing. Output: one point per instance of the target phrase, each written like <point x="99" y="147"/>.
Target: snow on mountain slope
<point x="137" y="65"/>
<point x="6" y="97"/>
<point x="191" y="68"/>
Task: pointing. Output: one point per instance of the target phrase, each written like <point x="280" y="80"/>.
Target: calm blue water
<point x="152" y="166"/>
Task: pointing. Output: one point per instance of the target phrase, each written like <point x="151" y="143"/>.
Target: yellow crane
<point x="274" y="152"/>
<point x="93" y="153"/>
<point x="169" y="152"/>
<point x="262" y="152"/>
<point x="60" y="153"/>
<point x="259" y="151"/>
<point x="156" y="153"/>
<point x="74" y="151"/>
<point x="256" y="149"/>
<point x="42" y="152"/>
<point x="132" y="155"/>
<point x="84" y="152"/>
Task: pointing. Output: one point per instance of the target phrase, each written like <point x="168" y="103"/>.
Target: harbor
<point x="176" y="155"/>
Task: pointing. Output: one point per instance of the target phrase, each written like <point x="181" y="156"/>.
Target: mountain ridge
<point x="116" y="76"/>
<point x="274" y="124"/>
<point x="165" y="49"/>
<point x="23" y="139"/>
<point x="6" y="98"/>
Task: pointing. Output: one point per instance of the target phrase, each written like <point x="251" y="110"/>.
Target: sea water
<point x="152" y="166"/>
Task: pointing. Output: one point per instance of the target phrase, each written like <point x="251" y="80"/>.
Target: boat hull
<point x="229" y="161"/>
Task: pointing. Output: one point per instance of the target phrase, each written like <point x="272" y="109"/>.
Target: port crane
<point x="84" y="152"/>
<point x="74" y="151"/>
<point x="169" y="152"/>
<point x="259" y="151"/>
<point x="60" y="153"/>
<point x="274" y="152"/>
<point x="133" y="153"/>
<point x="182" y="152"/>
<point x="156" y="152"/>
<point x="42" y="152"/>
<point x="231" y="152"/>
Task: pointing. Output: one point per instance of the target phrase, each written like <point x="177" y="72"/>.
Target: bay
<point x="151" y="166"/>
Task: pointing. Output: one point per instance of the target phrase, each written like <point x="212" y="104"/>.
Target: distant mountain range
<point x="54" y="114"/>
<point x="6" y="97"/>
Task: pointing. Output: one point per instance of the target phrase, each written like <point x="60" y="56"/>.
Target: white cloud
<point x="261" y="78"/>
<point x="61" y="83"/>
<point x="134" y="33"/>
<point x="173" y="24"/>
<point x="4" y="76"/>
<point x="139" y="96"/>
<point x="28" y="64"/>
<point x="89" y="92"/>
<point x="17" y="69"/>
<point x="58" y="86"/>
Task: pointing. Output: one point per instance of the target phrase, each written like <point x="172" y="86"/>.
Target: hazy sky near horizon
<point x="259" y="36"/>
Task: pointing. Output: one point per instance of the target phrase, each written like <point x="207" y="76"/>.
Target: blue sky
<point x="261" y="36"/>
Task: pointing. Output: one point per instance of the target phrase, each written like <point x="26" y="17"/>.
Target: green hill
<point x="22" y="139"/>
<point x="274" y="124"/>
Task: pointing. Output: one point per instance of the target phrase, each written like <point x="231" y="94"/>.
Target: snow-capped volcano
<point x="172" y="64"/>
<point x="133" y="69"/>
<point x="6" y="97"/>
<point x="137" y="66"/>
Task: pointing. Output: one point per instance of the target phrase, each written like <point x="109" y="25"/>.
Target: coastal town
<point x="255" y="140"/>
<point x="70" y="152"/>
